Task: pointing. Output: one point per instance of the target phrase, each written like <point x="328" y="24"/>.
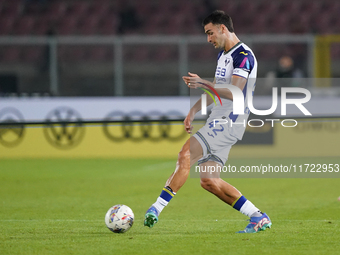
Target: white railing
<point x="182" y="42"/>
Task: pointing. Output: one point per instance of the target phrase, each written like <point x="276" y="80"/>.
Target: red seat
<point x="139" y="53"/>
<point x="290" y="7"/>
<point x="10" y="54"/>
<point x="33" y="54"/>
<point x="108" y="25"/>
<point x="280" y="23"/>
<point x="78" y="8"/>
<point x="56" y="10"/>
<point x="24" y="26"/>
<point x="101" y="54"/>
<point x="13" y="8"/>
<point x="88" y="25"/>
<point x="67" y="26"/>
<point x="72" y="53"/>
<point x="335" y="51"/>
<point x="164" y="53"/>
<point x="41" y="26"/>
<point x="6" y="25"/>
<point x="99" y="8"/>
<point x="259" y="25"/>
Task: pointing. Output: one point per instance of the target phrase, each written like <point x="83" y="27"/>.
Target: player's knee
<point x="208" y="184"/>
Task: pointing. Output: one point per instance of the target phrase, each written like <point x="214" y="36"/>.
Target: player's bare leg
<point x="189" y="155"/>
<point x="214" y="184"/>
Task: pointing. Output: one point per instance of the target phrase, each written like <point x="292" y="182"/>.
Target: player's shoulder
<point x="242" y="51"/>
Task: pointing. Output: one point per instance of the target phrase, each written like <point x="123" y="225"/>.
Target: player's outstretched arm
<point x="197" y="106"/>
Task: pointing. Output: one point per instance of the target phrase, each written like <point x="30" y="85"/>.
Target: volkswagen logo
<point x="64" y="135"/>
<point x="11" y="136"/>
<point x="156" y="126"/>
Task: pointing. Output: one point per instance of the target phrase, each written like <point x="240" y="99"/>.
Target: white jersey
<point x="240" y="61"/>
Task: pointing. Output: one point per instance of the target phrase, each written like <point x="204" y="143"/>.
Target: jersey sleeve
<point x="243" y="61"/>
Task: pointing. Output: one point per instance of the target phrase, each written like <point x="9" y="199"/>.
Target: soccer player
<point x="210" y="146"/>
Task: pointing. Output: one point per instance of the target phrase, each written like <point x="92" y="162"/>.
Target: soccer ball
<point x="119" y="218"/>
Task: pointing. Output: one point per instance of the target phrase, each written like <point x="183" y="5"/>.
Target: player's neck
<point x="231" y="41"/>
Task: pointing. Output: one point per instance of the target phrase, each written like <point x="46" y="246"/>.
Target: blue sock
<point x="246" y="207"/>
<point x="164" y="198"/>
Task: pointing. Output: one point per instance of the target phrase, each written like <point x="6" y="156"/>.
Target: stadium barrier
<point x="70" y="131"/>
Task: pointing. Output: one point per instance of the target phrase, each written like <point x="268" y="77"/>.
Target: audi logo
<point x="156" y="126"/>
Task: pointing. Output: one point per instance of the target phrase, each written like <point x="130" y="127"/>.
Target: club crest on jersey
<point x="227" y="61"/>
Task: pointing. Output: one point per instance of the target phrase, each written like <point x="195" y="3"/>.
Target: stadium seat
<point x="88" y="25"/>
<point x="280" y="23"/>
<point x="138" y="53"/>
<point x="24" y="25"/>
<point x="78" y="8"/>
<point x="67" y="26"/>
<point x="10" y="54"/>
<point x="101" y="54"/>
<point x="322" y="23"/>
<point x="246" y="9"/>
<point x="42" y="26"/>
<point x="6" y="25"/>
<point x="312" y="7"/>
<point x="99" y="8"/>
<point x="268" y="52"/>
<point x="56" y="10"/>
<point x="336" y="24"/>
<point x="290" y="7"/>
<point x="259" y="25"/>
<point x="108" y="25"/>
<point x="164" y="53"/>
<point x="72" y="54"/>
<point x="33" y="54"/>
<point x="335" y="51"/>
<point x="228" y="6"/>
<point x="13" y="8"/>
<point x="267" y="7"/>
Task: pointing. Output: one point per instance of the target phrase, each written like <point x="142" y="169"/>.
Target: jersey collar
<point x="237" y="44"/>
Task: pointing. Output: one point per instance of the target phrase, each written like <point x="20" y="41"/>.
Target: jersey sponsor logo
<point x="242" y="52"/>
<point x="245" y="64"/>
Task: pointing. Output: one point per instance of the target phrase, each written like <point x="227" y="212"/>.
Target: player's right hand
<point x="186" y="79"/>
<point x="187" y="123"/>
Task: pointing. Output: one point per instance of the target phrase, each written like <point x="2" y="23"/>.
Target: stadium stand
<point x="176" y="17"/>
<point x="169" y="17"/>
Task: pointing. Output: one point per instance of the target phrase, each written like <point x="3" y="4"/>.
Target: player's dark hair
<point x="219" y="17"/>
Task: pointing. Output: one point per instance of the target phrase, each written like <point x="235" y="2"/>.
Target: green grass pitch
<point x="58" y="207"/>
